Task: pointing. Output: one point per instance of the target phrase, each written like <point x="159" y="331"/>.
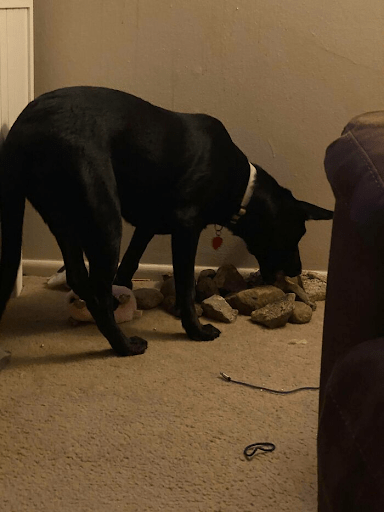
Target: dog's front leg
<point x="184" y="247"/>
<point x="130" y="262"/>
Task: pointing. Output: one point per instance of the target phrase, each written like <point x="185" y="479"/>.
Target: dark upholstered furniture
<point x="351" y="407"/>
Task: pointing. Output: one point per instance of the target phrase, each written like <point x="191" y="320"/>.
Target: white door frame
<point x="16" y="69"/>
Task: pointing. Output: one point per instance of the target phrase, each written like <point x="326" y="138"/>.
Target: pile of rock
<point x="223" y="294"/>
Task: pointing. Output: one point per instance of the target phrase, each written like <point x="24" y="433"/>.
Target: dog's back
<point x="158" y="157"/>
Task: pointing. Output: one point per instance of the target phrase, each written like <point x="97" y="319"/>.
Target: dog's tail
<point x="12" y="205"/>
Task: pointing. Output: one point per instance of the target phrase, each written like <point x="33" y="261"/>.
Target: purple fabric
<point x="350" y="446"/>
<point x="354" y="310"/>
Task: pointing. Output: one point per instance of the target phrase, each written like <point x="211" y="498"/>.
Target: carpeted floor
<point x="83" y="430"/>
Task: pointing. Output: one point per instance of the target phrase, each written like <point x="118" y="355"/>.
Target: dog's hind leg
<point x="103" y="260"/>
<point x="130" y="262"/>
<point x="96" y="290"/>
<point x="184" y="247"/>
<point x="12" y="213"/>
<point x="93" y="226"/>
<point x="77" y="273"/>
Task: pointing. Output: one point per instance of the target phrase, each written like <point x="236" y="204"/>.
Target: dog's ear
<point x="313" y="212"/>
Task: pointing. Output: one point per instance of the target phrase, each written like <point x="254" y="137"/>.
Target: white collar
<point x="247" y="195"/>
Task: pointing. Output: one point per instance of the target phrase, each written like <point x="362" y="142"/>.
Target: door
<point x="16" y="68"/>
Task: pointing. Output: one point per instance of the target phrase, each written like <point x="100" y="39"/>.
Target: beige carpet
<point x="83" y="430"/>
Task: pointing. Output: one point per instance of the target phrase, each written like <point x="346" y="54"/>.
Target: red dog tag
<point x="216" y="242"/>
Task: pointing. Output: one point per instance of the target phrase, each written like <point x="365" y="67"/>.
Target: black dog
<point x="86" y="156"/>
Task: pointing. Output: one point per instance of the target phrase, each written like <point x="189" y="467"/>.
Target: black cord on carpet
<point x="251" y="449"/>
<point x="268" y="390"/>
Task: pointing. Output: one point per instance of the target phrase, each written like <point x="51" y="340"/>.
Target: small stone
<point x="148" y="298"/>
<point x="5" y="357"/>
<point x="310" y="274"/>
<point x="294" y="285"/>
<point x="247" y="301"/>
<point x="217" y="308"/>
<point x="298" y="342"/>
<point x="254" y="279"/>
<point x="229" y="280"/>
<point x="285" y="283"/>
<point x="302" y="313"/>
<point x="209" y="272"/>
<point x="199" y="310"/>
<point x="169" y="306"/>
<point x="168" y="286"/>
<point x="205" y="288"/>
<point x="276" y="314"/>
<point x="315" y="286"/>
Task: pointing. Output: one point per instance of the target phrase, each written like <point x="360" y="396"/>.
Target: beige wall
<point x="284" y="77"/>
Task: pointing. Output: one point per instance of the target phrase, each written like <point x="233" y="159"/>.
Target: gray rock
<point x="302" y="313"/>
<point x="315" y="286"/>
<point x="254" y="279"/>
<point x="294" y="285"/>
<point x="199" y="310"/>
<point x="229" y="280"/>
<point x="285" y="283"/>
<point x="168" y="286"/>
<point x="310" y="274"/>
<point x="148" y="298"/>
<point x="276" y="314"/>
<point x="247" y="301"/>
<point x="205" y="288"/>
<point x="217" y="308"/>
<point x="209" y="272"/>
<point x="5" y="357"/>
<point x="169" y="306"/>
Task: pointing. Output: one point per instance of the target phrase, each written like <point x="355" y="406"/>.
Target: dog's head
<point x="273" y="226"/>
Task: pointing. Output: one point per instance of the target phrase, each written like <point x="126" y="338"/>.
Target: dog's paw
<point x="207" y="333"/>
<point x="133" y="347"/>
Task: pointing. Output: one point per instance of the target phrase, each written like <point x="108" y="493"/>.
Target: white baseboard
<point x="43" y="268"/>
<point x="18" y="284"/>
<point x="46" y="268"/>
